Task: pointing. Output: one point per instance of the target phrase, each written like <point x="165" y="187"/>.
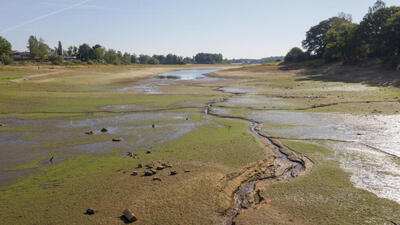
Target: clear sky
<point x="235" y="28"/>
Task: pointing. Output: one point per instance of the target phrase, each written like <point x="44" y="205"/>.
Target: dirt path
<point x="22" y="79"/>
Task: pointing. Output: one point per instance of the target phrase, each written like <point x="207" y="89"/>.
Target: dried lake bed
<point x="52" y="146"/>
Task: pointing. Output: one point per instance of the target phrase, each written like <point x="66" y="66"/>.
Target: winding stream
<point x="248" y="187"/>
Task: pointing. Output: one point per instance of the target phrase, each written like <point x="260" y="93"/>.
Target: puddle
<point x="152" y="85"/>
<point x="67" y="138"/>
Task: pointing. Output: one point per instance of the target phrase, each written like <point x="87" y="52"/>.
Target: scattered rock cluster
<point x="152" y="168"/>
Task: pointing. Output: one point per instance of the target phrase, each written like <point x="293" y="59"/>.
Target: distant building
<point x="69" y="58"/>
<point x="17" y="55"/>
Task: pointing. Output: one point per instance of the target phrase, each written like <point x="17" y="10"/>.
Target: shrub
<point x="7" y="60"/>
<point x="56" y="60"/>
<point x="295" y="55"/>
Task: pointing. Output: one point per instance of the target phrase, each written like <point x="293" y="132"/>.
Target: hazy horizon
<point x="255" y="29"/>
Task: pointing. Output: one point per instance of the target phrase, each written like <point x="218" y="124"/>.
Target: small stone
<point x="104" y="130"/>
<point x="139" y="166"/>
<point x="153" y="125"/>
<point x="160" y="168"/>
<point x="128" y="214"/>
<point x="134" y="173"/>
<point x="157" y="179"/>
<point x="149" y="166"/>
<point x="116" y="139"/>
<point x="89" y="133"/>
<point x="149" y="173"/>
<point x="173" y="173"/>
<point x="1" y="125"/>
<point x="148" y="152"/>
<point x="90" y="212"/>
<point x="166" y="165"/>
<point x="187" y="171"/>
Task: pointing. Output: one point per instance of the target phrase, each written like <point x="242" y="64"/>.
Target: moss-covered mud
<point x="46" y="113"/>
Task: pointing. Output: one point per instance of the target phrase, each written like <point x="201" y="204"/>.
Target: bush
<point x="398" y="67"/>
<point x="295" y="55"/>
<point x="7" y="60"/>
<point x="56" y="60"/>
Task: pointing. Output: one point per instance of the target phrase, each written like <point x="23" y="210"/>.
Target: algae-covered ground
<point x="46" y="112"/>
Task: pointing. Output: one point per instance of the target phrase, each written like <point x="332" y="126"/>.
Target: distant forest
<point x="377" y="36"/>
<point x="256" y="61"/>
<point x="39" y="51"/>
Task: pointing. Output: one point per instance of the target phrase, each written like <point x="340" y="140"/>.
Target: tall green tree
<point x="84" y="52"/>
<point x="371" y="27"/>
<point x="5" y="50"/>
<point x="392" y="38"/>
<point x="59" y="49"/>
<point x="315" y="42"/>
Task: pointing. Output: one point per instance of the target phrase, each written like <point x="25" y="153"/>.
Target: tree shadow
<point x="376" y="75"/>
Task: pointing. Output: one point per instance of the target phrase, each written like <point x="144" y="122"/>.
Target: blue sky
<point x="236" y="28"/>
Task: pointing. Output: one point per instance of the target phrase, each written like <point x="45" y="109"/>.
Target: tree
<point x="59" y="49"/>
<point x="295" y="55"/>
<point x="5" y="50"/>
<point x="84" y="52"/>
<point x="96" y="53"/>
<point x="343" y="44"/>
<point x="72" y="51"/>
<point x="392" y="38"/>
<point x="144" y="59"/>
<point x="134" y="59"/>
<point x="371" y="27"/>
<point x="208" y="58"/>
<point x="111" y="57"/>
<point x="126" y="59"/>
<point x="33" y="46"/>
<point x="43" y="50"/>
<point x="315" y="41"/>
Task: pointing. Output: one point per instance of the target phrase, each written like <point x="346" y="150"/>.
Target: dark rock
<point x="89" y="133"/>
<point x="149" y="166"/>
<point x="116" y="139"/>
<point x="149" y="152"/>
<point x="166" y="165"/>
<point x="149" y="173"/>
<point x="139" y="166"/>
<point x="2" y="125"/>
<point x="160" y="168"/>
<point x="134" y="173"/>
<point x="128" y="214"/>
<point x="187" y="171"/>
<point x="173" y="173"/>
<point x="157" y="179"/>
<point x="153" y="125"/>
<point x="104" y="130"/>
<point x="90" y="212"/>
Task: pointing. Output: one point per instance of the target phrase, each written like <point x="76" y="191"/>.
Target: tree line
<point x="97" y="54"/>
<point x="339" y="39"/>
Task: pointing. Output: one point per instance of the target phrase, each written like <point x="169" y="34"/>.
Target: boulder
<point x="139" y="166"/>
<point x="116" y="139"/>
<point x="128" y="214"/>
<point x="153" y="125"/>
<point x="104" y="130"/>
<point x="90" y="212"/>
<point x="149" y="152"/>
<point x="134" y="173"/>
